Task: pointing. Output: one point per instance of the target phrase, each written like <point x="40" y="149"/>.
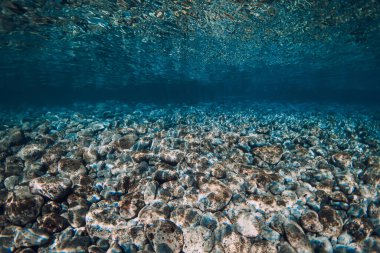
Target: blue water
<point x="66" y="51"/>
<point x="189" y="126"/>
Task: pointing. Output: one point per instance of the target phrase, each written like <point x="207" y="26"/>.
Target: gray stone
<point x="197" y="239"/>
<point x="214" y="196"/>
<point x="21" y="210"/>
<point x="54" y="188"/>
<point x="165" y="236"/>
<point x="297" y="238"/>
<point x="269" y="154"/>
<point x="310" y="222"/>
<point x="248" y="225"/>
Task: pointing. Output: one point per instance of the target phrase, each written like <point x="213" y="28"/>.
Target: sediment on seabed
<point x="258" y="177"/>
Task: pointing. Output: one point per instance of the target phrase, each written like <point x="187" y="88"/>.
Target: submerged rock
<point x="13" y="166"/>
<point x="103" y="220"/>
<point x="71" y="168"/>
<point x="23" y="209"/>
<point x="204" y="178"/>
<point x="54" y="188"/>
<point x="24" y="237"/>
<point x="214" y="196"/>
<point x="127" y="141"/>
<point x="342" y="160"/>
<point x="130" y="205"/>
<point x="331" y="221"/>
<point x="297" y="238"/>
<point x="31" y="152"/>
<point x="359" y="229"/>
<point x="269" y="154"/>
<point x="171" y="157"/>
<point x="198" y="239"/>
<point x="52" y="223"/>
<point x="248" y="225"/>
<point x="165" y="236"/>
<point x="310" y="222"/>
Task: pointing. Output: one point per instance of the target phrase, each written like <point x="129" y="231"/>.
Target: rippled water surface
<point x="192" y="49"/>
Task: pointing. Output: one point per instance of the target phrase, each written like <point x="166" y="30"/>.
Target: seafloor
<point x="250" y="177"/>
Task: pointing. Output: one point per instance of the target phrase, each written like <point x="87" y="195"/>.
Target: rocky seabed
<point x="261" y="177"/>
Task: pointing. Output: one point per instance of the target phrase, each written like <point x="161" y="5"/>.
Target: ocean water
<point x="189" y="126"/>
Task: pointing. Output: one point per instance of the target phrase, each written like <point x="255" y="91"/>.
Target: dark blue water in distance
<point x="187" y="126"/>
<point x="61" y="51"/>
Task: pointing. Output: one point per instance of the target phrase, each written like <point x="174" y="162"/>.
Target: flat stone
<point x="172" y="157"/>
<point x="165" y="236"/>
<point x="247" y="224"/>
<point x="269" y="154"/>
<point x="358" y="228"/>
<point x="198" y="239"/>
<point x="131" y="204"/>
<point x="21" y="210"/>
<point x="31" y="152"/>
<point x="331" y="222"/>
<point x="71" y="168"/>
<point x="310" y="222"/>
<point x="163" y="176"/>
<point x="103" y="220"/>
<point x="214" y="196"/>
<point x="127" y="141"/>
<point x="25" y="237"/>
<point x="54" y="188"/>
<point x="342" y="160"/>
<point x="296" y="237"/>
<point x="52" y="223"/>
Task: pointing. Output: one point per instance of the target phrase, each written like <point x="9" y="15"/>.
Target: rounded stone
<point x="247" y="225"/>
<point x="31" y="152"/>
<point x="233" y="242"/>
<point x="21" y="210"/>
<point x="269" y="154"/>
<point x="198" y="239"/>
<point x="71" y="168"/>
<point x="52" y="223"/>
<point x="131" y="205"/>
<point x="331" y="222"/>
<point x="103" y="220"/>
<point x="25" y="237"/>
<point x="263" y="247"/>
<point x="150" y="213"/>
<point x="165" y="236"/>
<point x="342" y="160"/>
<point x="13" y="166"/>
<point x="296" y="237"/>
<point x="186" y="216"/>
<point x="172" y="157"/>
<point x="214" y="196"/>
<point x="127" y="141"/>
<point x="310" y="222"/>
<point x="163" y="176"/>
<point x="358" y="228"/>
<point x="54" y="188"/>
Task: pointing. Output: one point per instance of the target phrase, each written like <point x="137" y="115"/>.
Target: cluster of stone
<point x="206" y="178"/>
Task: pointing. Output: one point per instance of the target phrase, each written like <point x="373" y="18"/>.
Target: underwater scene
<point x="189" y="126"/>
